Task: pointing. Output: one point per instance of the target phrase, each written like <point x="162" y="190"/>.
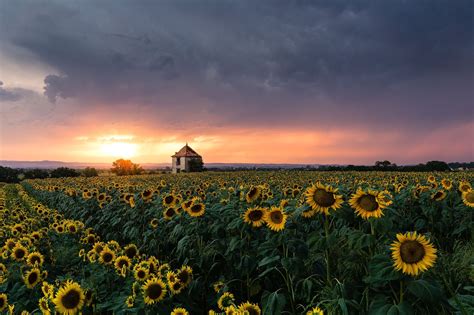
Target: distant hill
<point x="74" y="165"/>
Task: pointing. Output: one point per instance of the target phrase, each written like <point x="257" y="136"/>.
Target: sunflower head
<point x="35" y="259"/>
<point x="250" y="308"/>
<point x="412" y="253"/>
<point x="69" y="299"/>
<point x="367" y="203"/>
<point x="32" y="278"/>
<point x="322" y="198"/>
<point x="185" y="275"/>
<point x="464" y="186"/>
<point x="154" y="290"/>
<point x="175" y="287"/>
<point x="3" y="301"/>
<point x="315" y="311"/>
<point x="255" y="216"/>
<point x="107" y="256"/>
<point x="468" y="198"/>
<point x="276" y="219"/>
<point x="168" y="213"/>
<point x="179" y="311"/>
<point x="141" y="273"/>
<point x="438" y="195"/>
<point x="122" y="262"/>
<point x="197" y="209"/>
<point x="19" y="252"/>
<point x="131" y="251"/>
<point x="253" y="194"/>
<point x="226" y="300"/>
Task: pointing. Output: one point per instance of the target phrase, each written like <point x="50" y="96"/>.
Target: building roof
<point x="186" y="151"/>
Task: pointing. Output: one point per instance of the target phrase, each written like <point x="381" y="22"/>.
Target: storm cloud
<point x="382" y="60"/>
<point x="307" y="64"/>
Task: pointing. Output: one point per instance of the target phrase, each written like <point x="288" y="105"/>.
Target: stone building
<point x="186" y="160"/>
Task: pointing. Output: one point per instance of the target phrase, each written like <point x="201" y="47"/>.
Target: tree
<point x="437" y="166"/>
<point x="196" y="165"/>
<point x="64" y="172"/>
<point x="126" y="167"/>
<point x="9" y="175"/>
<point x="36" y="173"/>
<point x="90" y="172"/>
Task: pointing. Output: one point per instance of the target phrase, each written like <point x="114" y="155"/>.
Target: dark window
<point x="178" y="162"/>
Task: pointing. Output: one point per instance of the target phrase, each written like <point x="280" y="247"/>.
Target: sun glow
<point x="119" y="149"/>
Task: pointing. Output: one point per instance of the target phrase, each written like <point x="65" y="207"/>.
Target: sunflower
<point x="163" y="269"/>
<point x="367" y="204"/>
<point x="226" y="300"/>
<point x="322" y="198"/>
<point x="232" y="310"/>
<point x="69" y="299"/>
<point x="35" y="258"/>
<point x="187" y="205"/>
<point x="315" y="311"/>
<point x="217" y="286"/>
<point x="131" y="250"/>
<point x="44" y="306"/>
<point x="179" y="311"/>
<point x="439" y="195"/>
<point x="276" y="219"/>
<point x="154" y="223"/>
<point x="154" y="290"/>
<point x="255" y="216"/>
<point x="19" y="252"/>
<point x="185" y="275"/>
<point x="32" y="278"/>
<point x="386" y="197"/>
<point x="412" y="253"/>
<point x="89" y="296"/>
<point x="47" y="289"/>
<point x="171" y="276"/>
<point x="168" y="213"/>
<point x="107" y="256"/>
<point x="169" y="200"/>
<point x="197" y="209"/>
<point x="253" y="194"/>
<point x="147" y="194"/>
<point x="3" y="301"/>
<point x="464" y="186"/>
<point x="141" y="273"/>
<point x="251" y="309"/>
<point x="122" y="262"/>
<point x="130" y="301"/>
<point x="447" y="184"/>
<point x="98" y="247"/>
<point x="176" y="287"/>
<point x="468" y="198"/>
<point x="90" y="239"/>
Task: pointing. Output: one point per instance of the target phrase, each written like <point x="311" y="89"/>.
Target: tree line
<point x="15" y="175"/>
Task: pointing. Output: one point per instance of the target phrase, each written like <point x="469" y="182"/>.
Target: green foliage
<point x="64" y="172"/>
<point x="126" y="167"/>
<point x="344" y="269"/>
<point x="90" y="172"/>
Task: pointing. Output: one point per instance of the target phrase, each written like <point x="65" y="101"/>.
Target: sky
<point x="326" y="82"/>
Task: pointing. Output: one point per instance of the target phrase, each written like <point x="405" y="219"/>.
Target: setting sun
<point x="119" y="149"/>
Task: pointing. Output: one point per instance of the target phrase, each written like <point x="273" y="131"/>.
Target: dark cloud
<point x="249" y="62"/>
<point x="8" y="95"/>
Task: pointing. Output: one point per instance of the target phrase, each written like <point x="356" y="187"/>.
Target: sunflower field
<point x="273" y="242"/>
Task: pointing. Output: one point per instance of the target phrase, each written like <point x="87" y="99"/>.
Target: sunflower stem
<point x="401" y="291"/>
<point x="326" y="229"/>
